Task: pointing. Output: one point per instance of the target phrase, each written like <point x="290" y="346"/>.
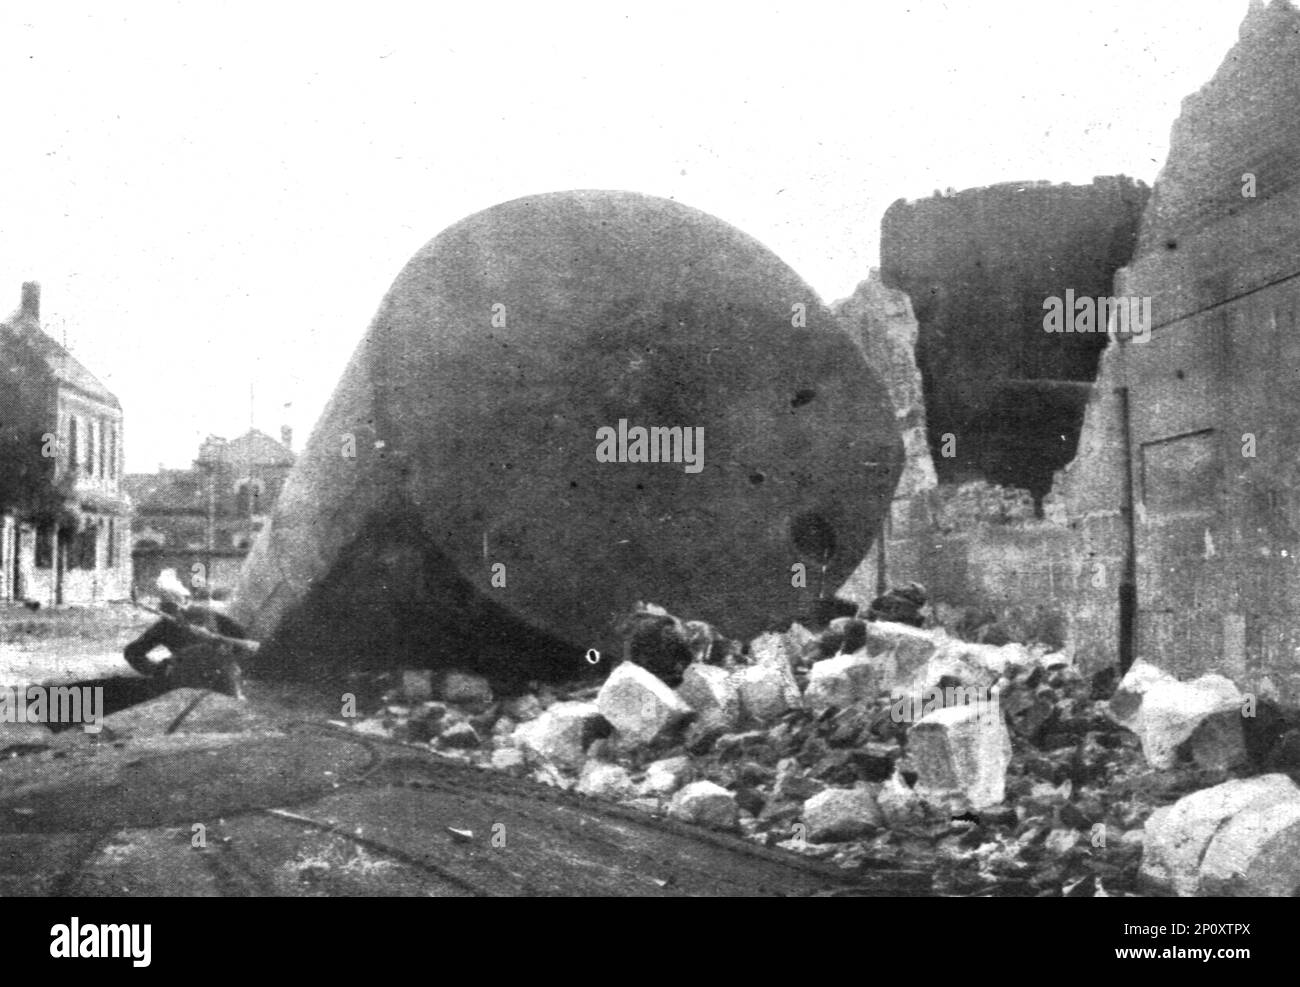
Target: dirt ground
<point x="66" y="644"/>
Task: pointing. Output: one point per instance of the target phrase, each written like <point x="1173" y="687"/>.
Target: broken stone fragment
<point x="705" y="804"/>
<point x="417" y="684"/>
<point x="941" y="672"/>
<point x="1061" y="841"/>
<point x="656" y="640"/>
<point x="770" y="648"/>
<point x="509" y="760"/>
<point x="841" y="681"/>
<point x="665" y="776"/>
<point x="523" y="708"/>
<point x="841" y="814"/>
<point x="605" y="781"/>
<point x="707" y="688"/>
<point x="1006" y="659"/>
<point x="433" y="716"/>
<point x="370" y="728"/>
<point x="844" y="634"/>
<point x="460" y="736"/>
<point x="548" y="774"/>
<point x="766" y="693"/>
<point x="465" y="689"/>
<point x="876" y="760"/>
<point x="641" y="707"/>
<point x="704" y="641"/>
<point x="1256" y="854"/>
<point x="849" y="727"/>
<point x="900" y="649"/>
<point x="1165" y="713"/>
<point x="902" y="604"/>
<point x="705" y="731"/>
<point x="962" y="748"/>
<point x="1219" y="741"/>
<point x="790" y="783"/>
<point x="1178" y="836"/>
<point x="802" y="645"/>
<point x="561" y="734"/>
<point x="768" y="688"/>
<point x="1033" y="712"/>
<point x="898" y="803"/>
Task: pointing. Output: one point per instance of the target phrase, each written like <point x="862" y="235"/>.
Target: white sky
<point x="215" y="197"/>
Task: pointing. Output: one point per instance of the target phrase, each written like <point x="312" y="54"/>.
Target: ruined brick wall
<point x="1213" y="436"/>
<point x="972" y="545"/>
<point x="1215" y="424"/>
<point x="977" y="266"/>
<point x="880" y="321"/>
<point x="981" y="547"/>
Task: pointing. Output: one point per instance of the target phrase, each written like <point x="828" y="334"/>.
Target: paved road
<point x="194" y="794"/>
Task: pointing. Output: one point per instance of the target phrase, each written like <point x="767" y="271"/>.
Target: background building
<point x="64" y="520"/>
<point x="203" y="520"/>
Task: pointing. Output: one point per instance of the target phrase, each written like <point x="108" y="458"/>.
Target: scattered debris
<point x="1178" y="837"/>
<point x="639" y="705"/>
<point x="706" y="804"/>
<point x="839" y="814"/>
<point x="1166" y="713"/>
<point x="964" y="748"/>
<point x="993" y="769"/>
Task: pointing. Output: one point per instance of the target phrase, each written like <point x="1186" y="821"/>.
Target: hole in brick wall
<point x="981" y="268"/>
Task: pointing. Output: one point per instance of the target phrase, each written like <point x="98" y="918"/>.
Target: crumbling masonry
<point x="1171" y="532"/>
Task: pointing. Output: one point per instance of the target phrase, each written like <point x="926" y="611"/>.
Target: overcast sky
<point x="215" y="197"/>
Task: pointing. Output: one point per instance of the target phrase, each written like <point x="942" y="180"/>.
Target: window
<point x="112" y="543"/>
<point x="85" y="545"/>
<point x="45" y="546"/>
<point x="74" y="445"/>
<point x="248" y="497"/>
<point x="63" y="556"/>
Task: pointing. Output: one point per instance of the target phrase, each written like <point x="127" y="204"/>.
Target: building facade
<point x="202" y="521"/>
<point x="1199" y="423"/>
<point x="64" y="518"/>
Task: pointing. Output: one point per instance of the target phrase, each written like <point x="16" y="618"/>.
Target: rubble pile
<point x="996" y="770"/>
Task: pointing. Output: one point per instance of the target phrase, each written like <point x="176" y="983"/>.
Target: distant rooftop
<point x="25" y="326"/>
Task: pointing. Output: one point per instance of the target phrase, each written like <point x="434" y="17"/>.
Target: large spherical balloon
<point x="566" y="404"/>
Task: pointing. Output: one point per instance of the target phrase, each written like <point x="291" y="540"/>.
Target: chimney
<point x="286" y="437"/>
<point x="32" y="299"/>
